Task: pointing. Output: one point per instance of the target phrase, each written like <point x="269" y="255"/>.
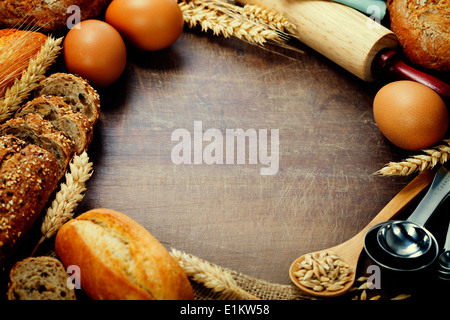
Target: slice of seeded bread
<point x="75" y="125"/>
<point x="75" y="91"/>
<point x="39" y="278"/>
<point x="33" y="129"/>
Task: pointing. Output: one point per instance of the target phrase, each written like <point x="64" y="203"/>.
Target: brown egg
<point x="410" y="115"/>
<point x="95" y="51"/>
<point x="147" y="24"/>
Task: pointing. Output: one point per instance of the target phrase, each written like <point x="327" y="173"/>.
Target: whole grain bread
<point x="48" y="15"/>
<point x="33" y="129"/>
<point x="39" y="278"/>
<point x="75" y="91"/>
<point x="423" y="31"/>
<point x="119" y="259"/>
<point x="29" y="175"/>
<point x="75" y="125"/>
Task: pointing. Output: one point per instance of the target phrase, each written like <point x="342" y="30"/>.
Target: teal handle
<point x="373" y="8"/>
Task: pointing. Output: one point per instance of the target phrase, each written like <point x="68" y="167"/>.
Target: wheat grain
<point x="29" y="78"/>
<point x="67" y="198"/>
<point x="420" y="162"/>
<point x="249" y="23"/>
<point x="211" y="276"/>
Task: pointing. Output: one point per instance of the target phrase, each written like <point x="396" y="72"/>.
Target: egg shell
<point x="149" y="25"/>
<point x="410" y="115"/>
<point x="95" y="51"/>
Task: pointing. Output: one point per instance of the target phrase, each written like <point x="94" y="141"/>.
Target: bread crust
<point x="29" y="175"/>
<point x="75" y="91"/>
<point x="17" y="48"/>
<point x="119" y="259"/>
<point x="75" y="125"/>
<point x="48" y="15"/>
<point x="423" y="31"/>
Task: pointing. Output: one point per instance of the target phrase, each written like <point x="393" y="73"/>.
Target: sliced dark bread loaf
<point x="39" y="278"/>
<point x="29" y="175"/>
<point x="75" y="125"/>
<point x="75" y="91"/>
<point x="32" y="128"/>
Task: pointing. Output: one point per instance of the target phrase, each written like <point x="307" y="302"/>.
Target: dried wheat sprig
<point x="67" y="198"/>
<point x="420" y="162"/>
<point x="30" y="77"/>
<point x="211" y="276"/>
<point x="227" y="20"/>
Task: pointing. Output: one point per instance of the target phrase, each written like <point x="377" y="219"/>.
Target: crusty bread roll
<point x="29" y="175"/>
<point x="423" y="31"/>
<point x="48" y="15"/>
<point x="17" y="48"/>
<point x="119" y="259"/>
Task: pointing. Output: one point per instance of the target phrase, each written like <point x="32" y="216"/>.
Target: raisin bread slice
<point x="39" y="278"/>
<point x="33" y="129"/>
<point x="75" y="91"/>
<point x="75" y="125"/>
<point x="29" y="176"/>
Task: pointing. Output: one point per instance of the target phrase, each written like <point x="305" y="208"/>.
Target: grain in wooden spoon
<point x="344" y="257"/>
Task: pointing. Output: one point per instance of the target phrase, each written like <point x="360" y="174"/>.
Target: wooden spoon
<point x="350" y="250"/>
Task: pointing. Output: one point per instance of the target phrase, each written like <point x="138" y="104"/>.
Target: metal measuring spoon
<point x="444" y="259"/>
<point x="409" y="238"/>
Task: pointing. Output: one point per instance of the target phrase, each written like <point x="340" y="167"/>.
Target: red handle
<point x="388" y="63"/>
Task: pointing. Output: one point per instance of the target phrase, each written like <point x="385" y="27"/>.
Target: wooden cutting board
<point x="323" y="192"/>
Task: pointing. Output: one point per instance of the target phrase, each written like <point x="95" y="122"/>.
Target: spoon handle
<point x="438" y="192"/>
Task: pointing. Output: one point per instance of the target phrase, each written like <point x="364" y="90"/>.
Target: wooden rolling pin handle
<point x="387" y="63"/>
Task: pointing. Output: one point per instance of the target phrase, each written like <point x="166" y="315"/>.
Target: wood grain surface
<point x="329" y="147"/>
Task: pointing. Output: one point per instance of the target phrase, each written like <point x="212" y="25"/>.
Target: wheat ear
<point x="67" y="198"/>
<point x="254" y="25"/>
<point x="211" y="276"/>
<point x="30" y="77"/>
<point x="420" y="162"/>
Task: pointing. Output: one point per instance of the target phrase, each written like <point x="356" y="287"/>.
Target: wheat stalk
<point x="420" y="162"/>
<point x="250" y="23"/>
<point x="67" y="198"/>
<point x="30" y="77"/>
<point x="211" y="276"/>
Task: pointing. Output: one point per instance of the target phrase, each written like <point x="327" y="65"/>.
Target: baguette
<point x="29" y="175"/>
<point x="33" y="129"/>
<point x="75" y="91"/>
<point x="75" y="125"/>
<point x="119" y="259"/>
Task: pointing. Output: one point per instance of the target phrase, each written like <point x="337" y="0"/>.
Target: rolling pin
<point x="351" y="39"/>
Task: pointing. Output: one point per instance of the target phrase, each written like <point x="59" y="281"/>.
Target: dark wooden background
<point x="325" y="190"/>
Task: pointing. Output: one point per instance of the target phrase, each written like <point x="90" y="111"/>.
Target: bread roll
<point x="48" y="15"/>
<point x="29" y="175"/>
<point x="119" y="259"/>
<point x="423" y="31"/>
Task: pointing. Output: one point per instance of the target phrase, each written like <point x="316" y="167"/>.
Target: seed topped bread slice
<point x="33" y="129"/>
<point x="39" y="278"/>
<point x="75" y="91"/>
<point x="75" y="125"/>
